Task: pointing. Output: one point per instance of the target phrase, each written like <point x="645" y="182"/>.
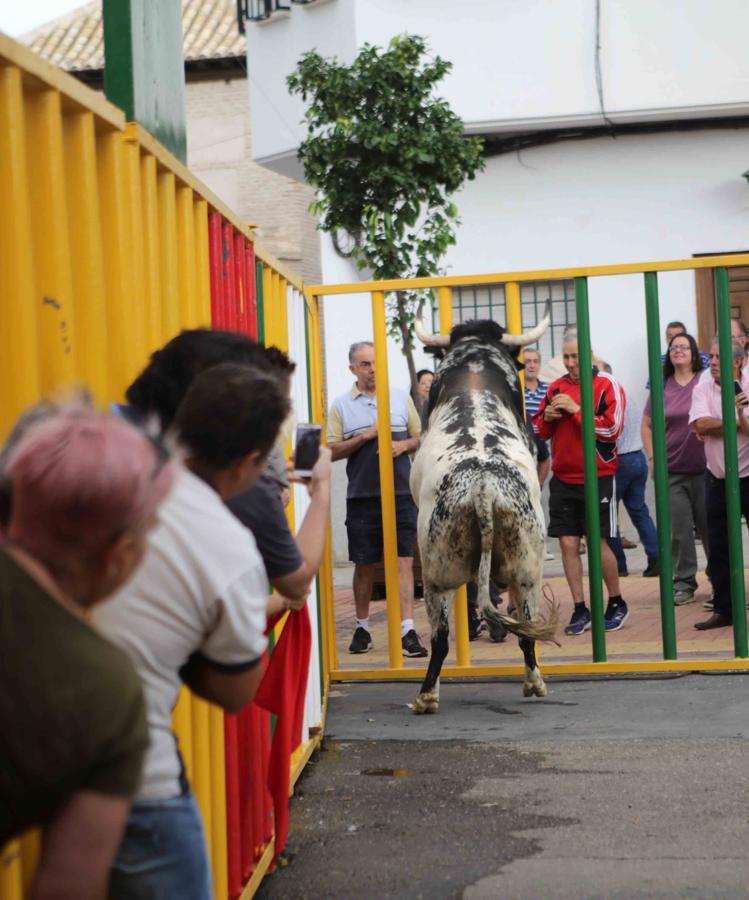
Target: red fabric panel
<point x="230" y="278"/>
<point x="233" y="835"/>
<point x="282" y="691"/>
<point x="214" y="262"/>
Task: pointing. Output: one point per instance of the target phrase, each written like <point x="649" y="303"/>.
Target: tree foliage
<point x="386" y="154"/>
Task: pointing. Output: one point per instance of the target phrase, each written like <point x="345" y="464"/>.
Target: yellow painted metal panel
<point x="86" y="255"/>
<point x="53" y="287"/>
<point x="187" y="286"/>
<point x="407" y="284"/>
<point x="38" y="73"/>
<point x="218" y="803"/>
<point x="31" y="848"/>
<point x="117" y="242"/>
<point x="268" y="306"/>
<point x="154" y="329"/>
<point x="19" y="383"/>
<point x="387" y="480"/>
<point x="203" y="274"/>
<point x="182" y="723"/>
<point x="10" y="872"/>
<point x="201" y="760"/>
<point x="170" y="306"/>
<point x="137" y="307"/>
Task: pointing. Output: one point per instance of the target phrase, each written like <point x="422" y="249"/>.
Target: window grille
<point x="487" y="301"/>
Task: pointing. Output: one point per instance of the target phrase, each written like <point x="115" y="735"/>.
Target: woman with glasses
<point x="685" y="455"/>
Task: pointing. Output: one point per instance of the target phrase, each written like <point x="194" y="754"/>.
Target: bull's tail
<point x="545" y="626"/>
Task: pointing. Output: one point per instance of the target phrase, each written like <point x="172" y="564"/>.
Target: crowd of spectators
<point x="139" y="548"/>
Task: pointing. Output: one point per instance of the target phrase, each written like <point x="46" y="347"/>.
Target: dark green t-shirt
<point x="72" y="715"/>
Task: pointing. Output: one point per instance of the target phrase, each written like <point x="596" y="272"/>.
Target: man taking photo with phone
<point x="706" y="419"/>
<point x="352" y="435"/>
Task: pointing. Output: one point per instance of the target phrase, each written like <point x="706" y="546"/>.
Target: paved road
<point x="619" y="788"/>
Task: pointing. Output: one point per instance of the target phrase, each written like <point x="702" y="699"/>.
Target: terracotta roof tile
<point x="75" y="41"/>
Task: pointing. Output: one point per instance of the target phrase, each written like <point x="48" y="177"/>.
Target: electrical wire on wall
<point x="599" y="76"/>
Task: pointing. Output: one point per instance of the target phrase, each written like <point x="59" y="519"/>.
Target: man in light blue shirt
<point x="352" y="435"/>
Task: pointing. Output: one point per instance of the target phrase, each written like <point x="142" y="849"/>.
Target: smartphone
<point x="737" y="388"/>
<point x="306" y="449"/>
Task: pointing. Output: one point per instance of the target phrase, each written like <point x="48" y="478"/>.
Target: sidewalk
<point x="640" y="638"/>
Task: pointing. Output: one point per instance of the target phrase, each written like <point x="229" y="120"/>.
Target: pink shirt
<point x="706" y="403"/>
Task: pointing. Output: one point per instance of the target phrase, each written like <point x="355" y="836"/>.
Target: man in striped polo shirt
<point x="535" y="390"/>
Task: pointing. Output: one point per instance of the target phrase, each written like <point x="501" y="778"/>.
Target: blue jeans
<point x="163" y="853"/>
<point x="631" y="478"/>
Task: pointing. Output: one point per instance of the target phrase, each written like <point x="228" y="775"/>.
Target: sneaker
<point x="548" y="556"/>
<point x="627" y="544"/>
<point x="653" y="569"/>
<point x="681" y="598"/>
<point x="579" y="622"/>
<point x="474" y="624"/>
<point x="411" y="644"/>
<point x="616" y="616"/>
<point x="361" y="641"/>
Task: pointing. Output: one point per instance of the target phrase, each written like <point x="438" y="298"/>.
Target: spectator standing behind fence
<point x="560" y="418"/>
<point x="629" y="485"/>
<point x="195" y="612"/>
<point x="73" y="731"/>
<point x="352" y="435"/>
<point x="706" y="418"/>
<point x="424" y="379"/>
<point x="290" y="562"/>
<point x="535" y="390"/>
<point x="685" y="460"/>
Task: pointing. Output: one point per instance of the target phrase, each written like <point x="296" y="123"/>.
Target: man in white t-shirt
<point x="706" y="419"/>
<point x="195" y="612"/>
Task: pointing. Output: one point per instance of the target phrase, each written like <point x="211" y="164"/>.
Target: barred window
<point x="487" y="301"/>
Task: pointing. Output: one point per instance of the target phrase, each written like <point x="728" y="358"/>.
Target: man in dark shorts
<point x="352" y="435"/>
<point x="560" y="418"/>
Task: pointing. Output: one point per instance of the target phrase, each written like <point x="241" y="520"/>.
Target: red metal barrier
<point x="229" y="275"/>
<point x="216" y="264"/>
<point x="233" y="794"/>
<point x="249" y="261"/>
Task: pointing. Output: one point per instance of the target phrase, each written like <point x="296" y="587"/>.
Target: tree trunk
<point x="406" y="345"/>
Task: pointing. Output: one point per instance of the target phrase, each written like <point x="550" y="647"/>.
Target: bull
<point x="475" y="483"/>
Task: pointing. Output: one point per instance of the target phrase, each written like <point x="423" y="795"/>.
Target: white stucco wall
<point x="520" y="63"/>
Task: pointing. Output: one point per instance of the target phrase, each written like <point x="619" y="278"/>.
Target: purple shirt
<point x="685" y="452"/>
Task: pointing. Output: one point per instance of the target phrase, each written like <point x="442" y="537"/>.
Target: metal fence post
<point x="731" y="455"/>
<point x="590" y="469"/>
<point x="660" y="466"/>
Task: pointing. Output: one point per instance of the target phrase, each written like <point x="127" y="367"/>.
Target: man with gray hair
<point x="706" y="419"/>
<point x="352" y="435"/>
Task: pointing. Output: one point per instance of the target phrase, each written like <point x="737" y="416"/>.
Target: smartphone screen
<point x="737" y="389"/>
<point x="307" y="449"/>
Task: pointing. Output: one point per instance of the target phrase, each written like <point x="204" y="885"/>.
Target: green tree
<point x="385" y="154"/>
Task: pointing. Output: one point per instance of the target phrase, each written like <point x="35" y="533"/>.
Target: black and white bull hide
<point x="475" y="483"/>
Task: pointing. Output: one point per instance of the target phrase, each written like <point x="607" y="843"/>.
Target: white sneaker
<point x="548" y="556"/>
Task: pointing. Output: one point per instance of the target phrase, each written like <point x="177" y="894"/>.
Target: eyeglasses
<point x="684" y="347"/>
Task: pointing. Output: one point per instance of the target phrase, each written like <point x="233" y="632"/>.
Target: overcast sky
<point x="18" y="17"/>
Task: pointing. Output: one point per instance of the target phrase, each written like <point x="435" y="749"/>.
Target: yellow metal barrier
<point x="104" y="256"/>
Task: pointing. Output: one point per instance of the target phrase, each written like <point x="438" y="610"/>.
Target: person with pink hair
<point x="73" y="733"/>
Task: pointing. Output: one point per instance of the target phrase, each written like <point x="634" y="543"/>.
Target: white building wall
<point x="520" y="63"/>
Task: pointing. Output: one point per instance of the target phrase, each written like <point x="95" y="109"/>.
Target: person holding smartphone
<point x="706" y="419"/>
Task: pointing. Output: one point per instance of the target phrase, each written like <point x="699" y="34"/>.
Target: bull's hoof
<point x="426" y="704"/>
<point x="535" y="688"/>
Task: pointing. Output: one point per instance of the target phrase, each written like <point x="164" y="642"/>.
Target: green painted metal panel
<point x="260" y="304"/>
<point x="144" y="70"/>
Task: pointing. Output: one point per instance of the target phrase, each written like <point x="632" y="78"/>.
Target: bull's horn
<point x="428" y="338"/>
<point x="528" y="337"/>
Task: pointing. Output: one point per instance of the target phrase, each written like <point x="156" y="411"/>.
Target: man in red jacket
<point x="560" y="418"/>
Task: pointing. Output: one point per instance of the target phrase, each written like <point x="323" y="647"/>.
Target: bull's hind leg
<point x="438" y="605"/>
<point x="533" y="683"/>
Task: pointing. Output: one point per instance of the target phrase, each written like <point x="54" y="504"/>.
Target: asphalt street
<point x="612" y="788"/>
